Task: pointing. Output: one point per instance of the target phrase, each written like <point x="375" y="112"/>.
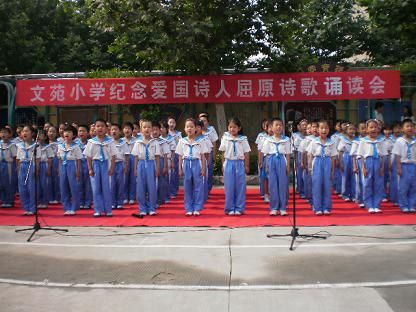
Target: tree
<point x="48" y="36"/>
<point x="393" y="30"/>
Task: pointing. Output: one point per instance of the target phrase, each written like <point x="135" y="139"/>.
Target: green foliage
<point x="393" y="30"/>
<point x="153" y="113"/>
<point x="218" y="164"/>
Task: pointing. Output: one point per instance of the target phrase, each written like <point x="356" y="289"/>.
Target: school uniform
<point x="163" y="180"/>
<point x="336" y="138"/>
<point x="26" y="169"/>
<point x="69" y="185"/>
<point x="117" y="179"/>
<point x="129" y="178"/>
<point x="101" y="154"/>
<point x="307" y="177"/>
<point x="406" y="150"/>
<point x="204" y="139"/>
<point x="234" y="150"/>
<point x="146" y="154"/>
<point x="321" y="166"/>
<point x="85" y="191"/>
<point x="8" y="179"/>
<point x="372" y="152"/>
<point x="53" y="179"/>
<point x="348" y="176"/>
<point x="259" y="142"/>
<point x="276" y="151"/>
<point x="394" y="178"/>
<point x="211" y="133"/>
<point x="174" y="182"/>
<point x="192" y="154"/>
<point x="300" y="187"/>
<point x="45" y="153"/>
<point x="170" y="141"/>
<point x="359" y="186"/>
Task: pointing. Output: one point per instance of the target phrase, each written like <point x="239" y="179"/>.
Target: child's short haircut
<point x="155" y="124"/>
<point x="406" y="121"/>
<point x="323" y="121"/>
<point x="8" y="130"/>
<point x="128" y="124"/>
<point x="191" y="120"/>
<point x="71" y="128"/>
<point x="199" y="123"/>
<point x="164" y="124"/>
<point x="276" y="119"/>
<point x="101" y="120"/>
<point x="84" y="126"/>
<point x="116" y="125"/>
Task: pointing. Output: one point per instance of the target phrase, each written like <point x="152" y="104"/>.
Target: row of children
<point x="367" y="169"/>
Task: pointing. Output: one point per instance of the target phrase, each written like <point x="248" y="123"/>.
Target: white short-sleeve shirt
<point x="25" y="153"/>
<point x="234" y="148"/>
<point x="8" y="151"/>
<point x="129" y="144"/>
<point x="94" y="147"/>
<point x="146" y="151"/>
<point x="370" y="148"/>
<point x="406" y="149"/>
<point x="212" y="134"/>
<point x="72" y="152"/>
<point x="122" y="150"/>
<point x="273" y="146"/>
<point x="164" y="146"/>
<point x="318" y="149"/>
<point x="303" y="146"/>
<point x="191" y="150"/>
<point x="45" y="152"/>
<point x="345" y="145"/>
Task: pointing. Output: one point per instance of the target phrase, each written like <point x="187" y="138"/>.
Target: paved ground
<point x="205" y="269"/>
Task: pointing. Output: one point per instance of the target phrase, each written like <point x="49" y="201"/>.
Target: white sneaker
<point x="273" y="213"/>
<point x="406" y="210"/>
<point x="131" y="202"/>
<point x="318" y="213"/>
<point x="362" y="206"/>
<point x="327" y="212"/>
<point x="109" y="214"/>
<point x="384" y="200"/>
<point x="189" y="213"/>
<point x="230" y="213"/>
<point x="97" y="214"/>
<point x="197" y="213"/>
<point x="66" y="213"/>
<point x="377" y="210"/>
<point x="72" y="213"/>
<point x="142" y="213"/>
<point x="120" y="207"/>
<point x="283" y="213"/>
<point x="371" y="210"/>
<point x="347" y="199"/>
<point x="125" y="201"/>
<point x="113" y="207"/>
<point x="152" y="213"/>
<point x="237" y="213"/>
<point x="266" y="199"/>
<point x="412" y="210"/>
<point x="81" y="207"/>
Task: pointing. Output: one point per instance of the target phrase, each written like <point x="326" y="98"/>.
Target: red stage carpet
<point x="173" y="214"/>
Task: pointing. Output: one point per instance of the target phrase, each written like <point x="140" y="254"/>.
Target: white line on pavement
<point x="201" y="287"/>
<point x="303" y="244"/>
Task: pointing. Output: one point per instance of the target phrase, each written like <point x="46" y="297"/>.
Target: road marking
<point x="201" y="287"/>
<point x="301" y="244"/>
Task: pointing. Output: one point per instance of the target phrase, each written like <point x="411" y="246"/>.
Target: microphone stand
<point x="36" y="226"/>
<point x="295" y="230"/>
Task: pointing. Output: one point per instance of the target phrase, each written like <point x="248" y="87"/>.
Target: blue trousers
<point x="394" y="184"/>
<point x="338" y="180"/>
<point x="235" y="186"/>
<point x="407" y="187"/>
<point x="69" y="186"/>
<point x="321" y="184"/>
<point x="174" y="178"/>
<point x="100" y="184"/>
<point x="211" y="171"/>
<point x="359" y="185"/>
<point x="307" y="182"/>
<point x="27" y="191"/>
<point x="130" y="181"/>
<point x="42" y="184"/>
<point x="206" y="185"/>
<point x="85" y="192"/>
<point x="163" y="183"/>
<point x="299" y="175"/>
<point x="278" y="182"/>
<point x="146" y="186"/>
<point x="7" y="182"/>
<point x="373" y="184"/>
<point x="117" y="184"/>
<point x="193" y="185"/>
<point x="348" y="178"/>
<point x="53" y="181"/>
<point x="261" y="181"/>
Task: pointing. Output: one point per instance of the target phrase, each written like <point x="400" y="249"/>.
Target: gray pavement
<point x="206" y="269"/>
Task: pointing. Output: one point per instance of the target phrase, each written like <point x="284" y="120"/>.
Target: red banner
<point x="210" y="89"/>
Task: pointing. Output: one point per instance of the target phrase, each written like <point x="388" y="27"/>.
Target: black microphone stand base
<point x="294" y="234"/>
<point x="37" y="227"/>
